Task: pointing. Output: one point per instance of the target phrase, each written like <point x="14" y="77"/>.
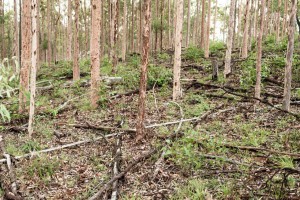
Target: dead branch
<point x="60" y="147"/>
<point x="248" y="148"/>
<point x="121" y="174"/>
<point x="116" y="167"/>
<point x="11" y="173"/>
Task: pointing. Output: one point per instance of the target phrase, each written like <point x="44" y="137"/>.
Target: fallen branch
<point x="11" y="174"/>
<point x="224" y="159"/>
<point x="121" y="174"/>
<point x="116" y="167"/>
<point x="262" y="149"/>
<point x="60" y="147"/>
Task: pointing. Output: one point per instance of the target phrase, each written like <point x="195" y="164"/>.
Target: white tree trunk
<point x="177" y="56"/>
<point x="227" y="69"/>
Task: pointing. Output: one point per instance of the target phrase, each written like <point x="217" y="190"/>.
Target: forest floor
<point x="236" y="149"/>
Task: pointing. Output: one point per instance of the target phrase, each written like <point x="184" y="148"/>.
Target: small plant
<point x="193" y="54"/>
<point x="159" y="76"/>
<point x="286" y="162"/>
<point x="163" y="56"/>
<point x="217" y="48"/>
<point x="30" y="146"/>
<point x="43" y="167"/>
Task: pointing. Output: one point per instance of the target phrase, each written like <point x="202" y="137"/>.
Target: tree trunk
<point x="206" y="53"/>
<point x="202" y="45"/>
<point x="124" y="41"/>
<point x="95" y="51"/>
<point x="227" y="69"/>
<point x="215" y="20"/>
<point x="161" y="24"/>
<point x="76" y="69"/>
<point x="177" y="56"/>
<point x="69" y="31"/>
<point x="140" y="126"/>
<point x="285" y="18"/>
<point x="259" y="50"/>
<point x="169" y="24"/>
<point x="16" y="32"/>
<point x="132" y="26"/>
<point x="49" y="46"/>
<point x="26" y="54"/>
<point x="278" y="21"/>
<point x="2" y="30"/>
<point x="188" y="24"/>
<point x="268" y="22"/>
<point x="246" y="31"/>
<point x="289" y="57"/>
<point x="34" y="62"/>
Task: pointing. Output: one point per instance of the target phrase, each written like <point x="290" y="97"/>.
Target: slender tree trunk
<point x="141" y="28"/>
<point x="196" y="23"/>
<point x="285" y="18"/>
<point x="124" y="41"/>
<point x="177" y="56"/>
<point x="49" y="46"/>
<point x="34" y="61"/>
<point x="86" y="27"/>
<point x="206" y="53"/>
<point x="227" y="69"/>
<point x="2" y="29"/>
<point x="252" y="11"/>
<point x="161" y="23"/>
<point x="240" y="11"/>
<point x="259" y="51"/>
<point x="95" y="51"/>
<point x="26" y="54"/>
<point x="289" y="57"/>
<point x="188" y="24"/>
<point x="278" y="21"/>
<point x="140" y="126"/>
<point x="246" y="31"/>
<point x="76" y="69"/>
<point x="132" y="26"/>
<point x="103" y="26"/>
<point x="268" y="22"/>
<point x="203" y="25"/>
<point x="215" y="20"/>
<point x="169" y="24"/>
<point x="16" y="32"/>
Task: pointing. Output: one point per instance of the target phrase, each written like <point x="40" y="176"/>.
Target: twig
<point x="262" y="149"/>
<point x="116" y="167"/>
<point x="224" y="159"/>
<point x="121" y="174"/>
<point x="60" y="147"/>
<point x="11" y="173"/>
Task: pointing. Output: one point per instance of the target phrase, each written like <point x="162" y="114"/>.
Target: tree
<point x="246" y="31"/>
<point x="95" y="51"/>
<point x="278" y="21"/>
<point x="26" y="54"/>
<point x="259" y="50"/>
<point x="227" y="69"/>
<point x="207" y="34"/>
<point x="69" y="31"/>
<point x="124" y="40"/>
<point x="2" y="29"/>
<point x="34" y="61"/>
<point x="177" y="55"/>
<point x="215" y="20"/>
<point x="16" y="50"/>
<point x="140" y="127"/>
<point x="202" y="44"/>
<point x="188" y="24"/>
<point x="76" y="69"/>
<point x="289" y="57"/>
<point x="113" y="31"/>
<point x="49" y="34"/>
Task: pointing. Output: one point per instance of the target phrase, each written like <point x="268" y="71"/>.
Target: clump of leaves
<point x="159" y="76"/>
<point x="30" y="146"/>
<point x="193" y="53"/>
<point x="217" y="48"/>
<point x="43" y="167"/>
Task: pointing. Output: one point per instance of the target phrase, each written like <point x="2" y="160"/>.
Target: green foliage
<point x="135" y="61"/>
<point x="193" y="53"/>
<point x="30" y="146"/>
<point x="270" y="44"/>
<point x="285" y="162"/>
<point x="5" y="115"/>
<point x="106" y="66"/>
<point x="248" y="72"/>
<point x="194" y="190"/>
<point x="163" y="56"/>
<point x="159" y="76"/>
<point x="217" y="48"/>
<point x="43" y="167"/>
<point x="199" y="105"/>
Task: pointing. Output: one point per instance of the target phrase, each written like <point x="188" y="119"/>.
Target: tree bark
<point x="289" y="57"/>
<point x="76" y="69"/>
<point x="16" y="32"/>
<point x="69" y="31"/>
<point x="215" y="20"/>
<point x="177" y="56"/>
<point x="202" y="45"/>
<point x="95" y="51"/>
<point x="246" y="31"/>
<point x="188" y="24"/>
<point x="140" y="127"/>
<point x="259" y="50"/>
<point x="206" y="53"/>
<point x="26" y="54"/>
<point x="34" y="61"/>
<point x="278" y="21"/>
<point x="285" y="18"/>
<point x="124" y="41"/>
<point x="227" y="69"/>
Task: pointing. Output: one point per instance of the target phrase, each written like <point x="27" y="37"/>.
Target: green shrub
<point x="193" y="53"/>
<point x="159" y="76"/>
<point x="43" y="167"/>
<point x="30" y="146"/>
<point x="217" y="48"/>
<point x="163" y="56"/>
